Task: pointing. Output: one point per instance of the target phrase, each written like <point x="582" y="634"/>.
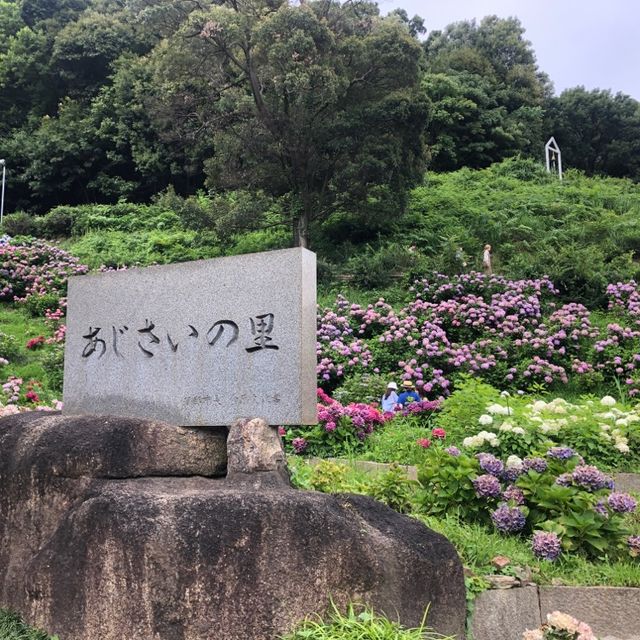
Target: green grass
<point x="26" y="364"/>
<point x="359" y="623"/>
<point x="477" y="545"/>
<point x="13" y="628"/>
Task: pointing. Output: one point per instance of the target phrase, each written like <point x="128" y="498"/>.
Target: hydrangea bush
<point x="34" y="269"/>
<point x="602" y="430"/>
<point x="343" y="429"/>
<point x="512" y="333"/>
<point x="557" y="499"/>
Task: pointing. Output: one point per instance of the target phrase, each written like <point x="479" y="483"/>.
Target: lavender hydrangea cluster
<point x="591" y="478"/>
<point x="481" y="325"/>
<point x="490" y="464"/>
<point x="634" y="545"/>
<point x="487" y="486"/>
<point x="508" y="519"/>
<point x="546" y="545"/>
<point x="560" y="453"/>
<point x="601" y="509"/>
<point x="453" y="451"/>
<point x="564" y="480"/>
<point x="535" y="464"/>
<point x="513" y="494"/>
<point x="621" y="503"/>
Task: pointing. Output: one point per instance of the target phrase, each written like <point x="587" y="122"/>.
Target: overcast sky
<point x="594" y="43"/>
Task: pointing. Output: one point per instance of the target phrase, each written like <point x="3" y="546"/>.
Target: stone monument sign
<point x="197" y="343"/>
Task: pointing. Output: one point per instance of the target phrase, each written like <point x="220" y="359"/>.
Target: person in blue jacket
<point x="409" y="393"/>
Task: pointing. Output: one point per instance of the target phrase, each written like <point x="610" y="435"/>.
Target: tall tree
<point x="487" y="92"/>
<point x="317" y="104"/>
<point x="597" y="131"/>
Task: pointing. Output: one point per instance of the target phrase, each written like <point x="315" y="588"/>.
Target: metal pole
<point x="4" y="168"/>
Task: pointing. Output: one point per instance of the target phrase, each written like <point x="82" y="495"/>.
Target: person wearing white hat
<point x="390" y="398"/>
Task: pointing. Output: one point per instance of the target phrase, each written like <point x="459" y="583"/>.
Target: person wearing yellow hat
<point x="389" y="400"/>
<point x="409" y="393"/>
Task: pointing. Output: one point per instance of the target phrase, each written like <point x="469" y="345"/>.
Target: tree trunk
<point x="301" y="229"/>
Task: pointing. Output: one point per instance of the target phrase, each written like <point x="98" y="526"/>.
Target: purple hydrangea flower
<point x="536" y="464"/>
<point x="490" y="464"/>
<point x="601" y="509"/>
<point x="622" y="503"/>
<point x="487" y="486"/>
<point x="564" y="480"/>
<point x="453" y="451"/>
<point x="546" y="545"/>
<point x="508" y="519"/>
<point x="511" y="474"/>
<point x="514" y="494"/>
<point x="560" y="453"/>
<point x="634" y="545"/>
<point x="590" y="478"/>
<point x="299" y="444"/>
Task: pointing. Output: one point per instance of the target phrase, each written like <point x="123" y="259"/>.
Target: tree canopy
<point x="318" y="110"/>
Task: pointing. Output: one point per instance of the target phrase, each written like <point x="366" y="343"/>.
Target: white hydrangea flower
<point x="622" y="447"/>
<point x="519" y="431"/>
<point x="604" y="427"/>
<point x="467" y="443"/>
<point x="539" y="405"/>
<point x="485" y="420"/>
<point x="622" y="422"/>
<point x="632" y="417"/>
<point x="607" y="401"/>
<point x="505" y="394"/>
<point x="607" y="437"/>
<point x="494" y="442"/>
<point x="496" y="409"/>
<point x="513" y="462"/>
<point x="506" y="426"/>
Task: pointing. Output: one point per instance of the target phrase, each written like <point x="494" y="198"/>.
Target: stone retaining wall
<point x="503" y="614"/>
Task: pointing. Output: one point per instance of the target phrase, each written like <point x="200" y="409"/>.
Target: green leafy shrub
<point x="394" y="489"/>
<point x="556" y="496"/>
<point x="359" y="623"/>
<point x="53" y="365"/>
<point x="9" y="347"/>
<point x="13" y="628"/>
<point x="20" y="224"/>
<point x="58" y="222"/>
<point x="36" y="305"/>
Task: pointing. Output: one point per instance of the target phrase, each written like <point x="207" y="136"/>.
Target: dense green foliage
<point x="12" y="627"/>
<point x="359" y="623"/>
<point x="311" y="111"/>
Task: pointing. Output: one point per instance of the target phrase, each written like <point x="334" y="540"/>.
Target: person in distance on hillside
<point x="486" y="260"/>
<point x="390" y="398"/>
<point x="409" y="393"/>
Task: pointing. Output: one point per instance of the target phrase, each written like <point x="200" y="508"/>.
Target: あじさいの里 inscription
<point x="199" y="343"/>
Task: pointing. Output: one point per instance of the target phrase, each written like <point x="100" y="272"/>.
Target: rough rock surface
<point x="117" y="529"/>
<point x="255" y="454"/>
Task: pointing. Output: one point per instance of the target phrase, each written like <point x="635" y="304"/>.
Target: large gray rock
<point x="96" y="543"/>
